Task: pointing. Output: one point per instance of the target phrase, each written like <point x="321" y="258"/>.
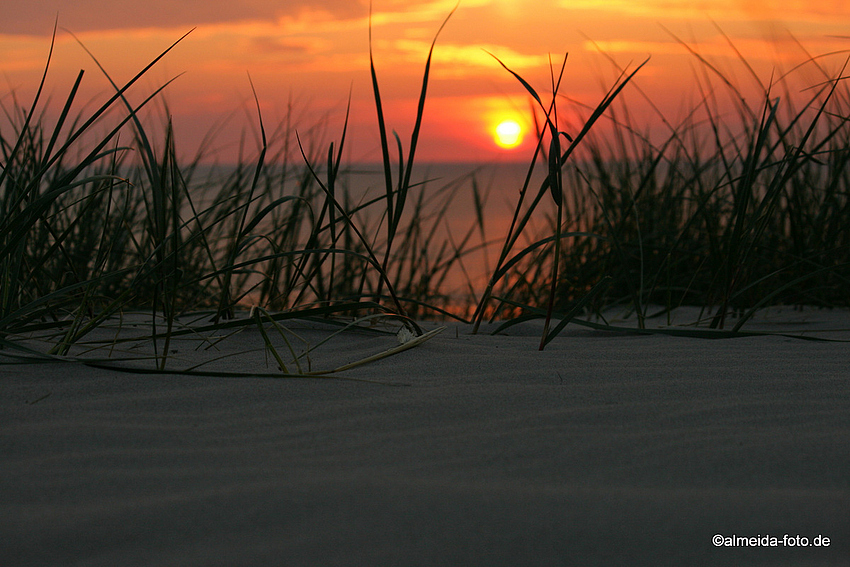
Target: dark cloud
<point x="274" y="45"/>
<point x="37" y="16"/>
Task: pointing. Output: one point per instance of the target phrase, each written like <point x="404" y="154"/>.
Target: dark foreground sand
<point x="605" y="449"/>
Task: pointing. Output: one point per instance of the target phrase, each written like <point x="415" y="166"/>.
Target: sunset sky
<point x="308" y="54"/>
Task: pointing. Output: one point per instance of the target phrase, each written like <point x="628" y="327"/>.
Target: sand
<point x="604" y="449"/>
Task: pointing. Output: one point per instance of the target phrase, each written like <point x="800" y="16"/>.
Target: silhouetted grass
<point x="728" y="213"/>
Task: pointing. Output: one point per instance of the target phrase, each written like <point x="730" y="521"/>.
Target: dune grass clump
<point x="730" y="213"/>
<point x="730" y="210"/>
<point x="91" y="233"/>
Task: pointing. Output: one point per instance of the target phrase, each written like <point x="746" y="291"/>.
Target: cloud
<point x="36" y="17"/>
<point x="471" y="55"/>
<point x="790" y="10"/>
<point x="275" y="45"/>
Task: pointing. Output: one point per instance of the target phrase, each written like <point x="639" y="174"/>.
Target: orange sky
<point x="308" y="54"/>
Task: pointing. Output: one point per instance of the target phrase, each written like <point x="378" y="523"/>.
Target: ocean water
<point x="463" y="205"/>
<point x="476" y="198"/>
<point x="453" y="191"/>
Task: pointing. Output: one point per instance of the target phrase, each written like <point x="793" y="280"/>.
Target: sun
<point x="508" y="134"/>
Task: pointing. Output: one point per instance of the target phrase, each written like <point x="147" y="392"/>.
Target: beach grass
<point x="728" y="213"/>
<point x="731" y="213"/>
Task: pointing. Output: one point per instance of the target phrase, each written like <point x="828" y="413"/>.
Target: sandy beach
<point x="607" y="448"/>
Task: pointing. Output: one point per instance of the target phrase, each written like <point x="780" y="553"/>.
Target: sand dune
<point x="604" y="449"/>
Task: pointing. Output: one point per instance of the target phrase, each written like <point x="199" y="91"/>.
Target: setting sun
<point x="508" y="134"/>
